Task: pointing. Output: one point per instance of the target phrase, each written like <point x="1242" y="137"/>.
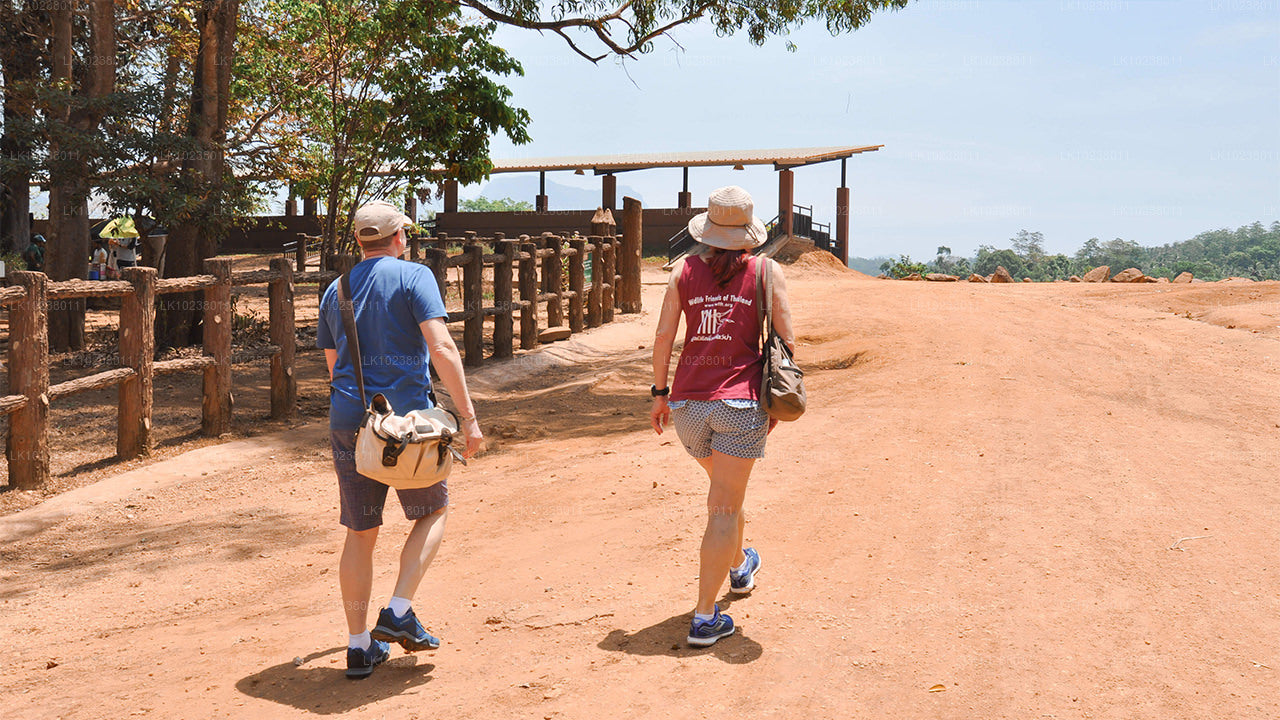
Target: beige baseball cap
<point x="378" y="220"/>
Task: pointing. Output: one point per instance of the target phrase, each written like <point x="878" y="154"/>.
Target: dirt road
<point x="1025" y="501"/>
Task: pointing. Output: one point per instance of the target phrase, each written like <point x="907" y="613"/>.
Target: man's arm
<point x="448" y="364"/>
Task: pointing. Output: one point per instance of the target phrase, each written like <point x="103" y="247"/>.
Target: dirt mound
<point x="821" y="262"/>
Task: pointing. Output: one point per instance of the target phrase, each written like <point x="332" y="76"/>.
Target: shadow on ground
<point x="325" y="689"/>
<point x="668" y="638"/>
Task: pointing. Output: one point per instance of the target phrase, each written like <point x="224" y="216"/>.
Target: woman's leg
<point x="722" y="541"/>
<point x="739" y="557"/>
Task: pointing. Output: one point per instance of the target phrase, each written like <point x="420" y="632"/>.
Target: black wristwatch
<point x="653" y="390"/>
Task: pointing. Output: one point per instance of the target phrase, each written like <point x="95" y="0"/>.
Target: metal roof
<point x="780" y="158"/>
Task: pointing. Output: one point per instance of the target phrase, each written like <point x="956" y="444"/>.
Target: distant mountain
<point x="870" y="266"/>
<point x="524" y="186"/>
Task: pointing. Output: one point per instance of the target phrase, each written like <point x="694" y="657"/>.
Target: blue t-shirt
<point x="392" y="297"/>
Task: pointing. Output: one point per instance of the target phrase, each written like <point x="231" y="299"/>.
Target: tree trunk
<point x="192" y="241"/>
<point x="69" y="169"/>
<point x="20" y="66"/>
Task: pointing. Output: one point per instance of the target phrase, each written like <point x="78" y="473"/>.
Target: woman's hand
<point x="660" y="415"/>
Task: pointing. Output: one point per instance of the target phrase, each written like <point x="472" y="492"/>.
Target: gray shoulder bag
<point x="782" y="385"/>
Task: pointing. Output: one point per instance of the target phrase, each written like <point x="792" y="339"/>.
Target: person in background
<point x="98" y="261"/>
<point x="715" y="396"/>
<point x="33" y="256"/>
<point x="126" y="252"/>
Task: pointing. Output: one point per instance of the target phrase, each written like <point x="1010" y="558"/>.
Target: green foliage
<point x="989" y="258"/>
<point x="388" y="94"/>
<point x="903" y="267"/>
<point x="506" y="204"/>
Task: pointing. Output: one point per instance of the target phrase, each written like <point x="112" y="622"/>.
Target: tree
<point x="989" y="258"/>
<point x="506" y="204"/>
<point x="389" y="94"/>
<point x="625" y="28"/>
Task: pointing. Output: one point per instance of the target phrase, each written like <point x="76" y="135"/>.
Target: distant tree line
<point x="1251" y="251"/>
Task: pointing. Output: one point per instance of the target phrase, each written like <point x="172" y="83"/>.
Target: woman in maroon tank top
<point x="714" y="399"/>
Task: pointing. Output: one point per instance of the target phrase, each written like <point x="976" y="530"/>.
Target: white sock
<point x="743" y="567"/>
<point x="399" y="606"/>
<point x="701" y="617"/>
<point x="360" y="642"/>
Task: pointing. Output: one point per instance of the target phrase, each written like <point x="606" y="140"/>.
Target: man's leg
<point x="418" y="552"/>
<point x="355" y="575"/>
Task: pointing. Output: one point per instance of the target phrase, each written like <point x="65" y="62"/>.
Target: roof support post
<point x="786" y="199"/>
<point x="684" y="200"/>
<point x="842" y="224"/>
<point x="540" y="203"/>
<point x="609" y="192"/>
<point x="451" y="195"/>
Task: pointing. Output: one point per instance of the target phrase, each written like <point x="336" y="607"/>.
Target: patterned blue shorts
<point x="733" y="427"/>
<point x="363" y="498"/>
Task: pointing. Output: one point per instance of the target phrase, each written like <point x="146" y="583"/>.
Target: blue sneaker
<point x="743" y="582"/>
<point x="360" y="663"/>
<point x="703" y="633"/>
<point x="406" y="630"/>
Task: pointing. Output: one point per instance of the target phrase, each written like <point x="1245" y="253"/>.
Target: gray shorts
<point x="733" y="427"/>
<point x="362" y="498"/>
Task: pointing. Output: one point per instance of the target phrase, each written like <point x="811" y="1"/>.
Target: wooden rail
<point x="528" y="275"/>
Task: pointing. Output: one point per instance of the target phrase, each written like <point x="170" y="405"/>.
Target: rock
<point x="552" y="334"/>
<point x="1075" y="278"/>
<point x="913" y="276"/>
<point x="1102" y="273"/>
<point x="977" y="278"/>
<point x="1001" y="275"/>
<point x="1149" y="279"/>
<point x="1162" y="280"/>
<point x="1184" y="277"/>
<point x="1128" y="275"/>
<point x="1026" y="279"/>
<point x="940" y="277"/>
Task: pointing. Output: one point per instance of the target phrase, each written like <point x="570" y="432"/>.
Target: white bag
<point x="414" y="450"/>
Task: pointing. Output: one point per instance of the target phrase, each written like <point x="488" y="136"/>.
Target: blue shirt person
<point x="400" y="320"/>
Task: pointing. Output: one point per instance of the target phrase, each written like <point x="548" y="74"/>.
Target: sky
<point x="1151" y="121"/>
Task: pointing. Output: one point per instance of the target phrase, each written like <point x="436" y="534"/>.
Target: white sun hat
<point x="729" y="222"/>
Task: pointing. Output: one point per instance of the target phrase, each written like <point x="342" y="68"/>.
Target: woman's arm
<point x="664" y="339"/>
<point x="448" y="364"/>
<point x="782" y="308"/>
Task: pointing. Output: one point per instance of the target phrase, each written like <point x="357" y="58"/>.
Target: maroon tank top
<point x="721" y="356"/>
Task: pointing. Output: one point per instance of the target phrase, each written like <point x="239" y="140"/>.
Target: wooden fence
<point x="528" y="273"/>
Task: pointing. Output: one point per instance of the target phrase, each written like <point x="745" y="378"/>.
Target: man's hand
<point x="475" y="440"/>
<point x="660" y="414"/>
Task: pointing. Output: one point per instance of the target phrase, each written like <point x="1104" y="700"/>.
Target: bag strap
<point x="347" y="306"/>
<point x="764" y="300"/>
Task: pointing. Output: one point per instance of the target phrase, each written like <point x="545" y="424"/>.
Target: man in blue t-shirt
<point x="400" y="319"/>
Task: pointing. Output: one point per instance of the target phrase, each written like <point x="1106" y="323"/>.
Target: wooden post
<point x="435" y="260"/>
<point x="284" y="386"/>
<point x="529" y="297"/>
<point x="300" y="252"/>
<point x="138" y="351"/>
<point x="607" y="276"/>
<point x="553" y="274"/>
<point x="629" y="255"/>
<point x="415" y="247"/>
<point x="576" y="283"/>
<point x="473" y="305"/>
<point x="451" y="196"/>
<point x="597" y="281"/>
<point x="28" y="446"/>
<point x="504" y="317"/>
<point x="216" y="408"/>
<point x="842" y="224"/>
<point x="609" y="192"/>
<point x="786" y="200"/>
